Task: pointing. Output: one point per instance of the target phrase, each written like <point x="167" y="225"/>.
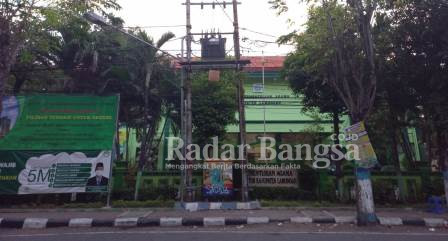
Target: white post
<point x="264" y="99"/>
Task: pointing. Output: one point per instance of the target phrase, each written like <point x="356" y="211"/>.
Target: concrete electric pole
<point x="187" y="116"/>
<point x="188" y="112"/>
<point x="241" y="107"/>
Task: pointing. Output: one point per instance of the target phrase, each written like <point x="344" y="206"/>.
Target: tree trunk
<point x="428" y="139"/>
<point x="364" y="194"/>
<point x="3" y="77"/>
<point x="443" y="160"/>
<point x="146" y="131"/>
<point x="396" y="158"/>
<point x="128" y="129"/>
<point x="5" y="69"/>
<point x="366" y="207"/>
<point x="339" y="172"/>
<point x="359" y="101"/>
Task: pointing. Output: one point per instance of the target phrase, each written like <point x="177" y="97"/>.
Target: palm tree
<point x="151" y="115"/>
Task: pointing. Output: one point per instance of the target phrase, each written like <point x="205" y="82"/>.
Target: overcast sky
<point x="254" y="15"/>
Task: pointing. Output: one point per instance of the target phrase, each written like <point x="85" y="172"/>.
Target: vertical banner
<point x="218" y="179"/>
<point x="357" y="135"/>
<point x="56" y="143"/>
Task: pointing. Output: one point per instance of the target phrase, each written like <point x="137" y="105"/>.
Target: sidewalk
<point x="128" y="217"/>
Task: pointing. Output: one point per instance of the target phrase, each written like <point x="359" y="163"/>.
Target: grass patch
<point x="83" y="205"/>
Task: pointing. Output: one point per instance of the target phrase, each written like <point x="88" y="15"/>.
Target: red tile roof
<point x="271" y="63"/>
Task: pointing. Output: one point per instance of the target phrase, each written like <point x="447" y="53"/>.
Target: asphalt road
<point x="261" y="232"/>
<point x="221" y="236"/>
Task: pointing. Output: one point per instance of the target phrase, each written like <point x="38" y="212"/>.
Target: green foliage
<point x="84" y="205"/>
<point x="419" y="48"/>
<point x="310" y="67"/>
<point x="214" y="105"/>
<point x="279" y="5"/>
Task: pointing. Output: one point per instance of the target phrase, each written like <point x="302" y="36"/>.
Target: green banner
<point x="56" y="143"/>
<point x="58" y="122"/>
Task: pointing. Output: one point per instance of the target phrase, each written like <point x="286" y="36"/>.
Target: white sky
<point x="255" y="15"/>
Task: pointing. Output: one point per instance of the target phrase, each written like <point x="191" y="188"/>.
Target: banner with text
<point x="56" y="143"/>
<point x="273" y="178"/>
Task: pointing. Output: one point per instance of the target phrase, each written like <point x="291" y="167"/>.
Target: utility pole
<point x="187" y="116"/>
<point x="188" y="111"/>
<point x="241" y="107"/>
<point x="183" y="182"/>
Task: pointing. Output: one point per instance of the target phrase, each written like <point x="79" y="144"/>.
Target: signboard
<point x="56" y="143"/>
<point x="357" y="134"/>
<point x="273" y="178"/>
<point x="257" y="88"/>
<point x="218" y="179"/>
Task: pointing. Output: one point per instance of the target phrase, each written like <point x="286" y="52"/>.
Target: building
<point x="272" y="110"/>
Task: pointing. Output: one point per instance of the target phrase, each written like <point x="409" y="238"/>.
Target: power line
<point x="156" y="26"/>
<point x="224" y="10"/>
<point x="253" y="31"/>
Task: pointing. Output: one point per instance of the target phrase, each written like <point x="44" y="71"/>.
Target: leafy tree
<point x="213" y="106"/>
<point x="339" y="43"/>
<point x="100" y="62"/>
<point x="22" y="21"/>
<point x="315" y="93"/>
<point x="135" y="71"/>
<point x="418" y="57"/>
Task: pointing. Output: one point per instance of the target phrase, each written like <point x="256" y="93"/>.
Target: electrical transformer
<point x="213" y="47"/>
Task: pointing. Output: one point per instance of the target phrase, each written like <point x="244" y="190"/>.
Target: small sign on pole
<point x="214" y="75"/>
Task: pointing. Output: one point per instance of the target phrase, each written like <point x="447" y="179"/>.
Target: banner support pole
<point x="113" y="157"/>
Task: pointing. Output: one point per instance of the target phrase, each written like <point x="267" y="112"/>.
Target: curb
<point x="390" y="221"/>
<point x="41" y="223"/>
<point x="198" y="206"/>
<point x="80" y="222"/>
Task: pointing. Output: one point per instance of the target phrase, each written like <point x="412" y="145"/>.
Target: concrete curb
<point x="390" y="221"/>
<point x="198" y="206"/>
<point x="35" y="223"/>
<point x="435" y="222"/>
<point x="169" y="222"/>
<point x="257" y="220"/>
<point x="220" y="221"/>
<point x="80" y="222"/>
<point x="40" y="223"/>
<point x="126" y="222"/>
<point x="345" y="219"/>
<point x="301" y="220"/>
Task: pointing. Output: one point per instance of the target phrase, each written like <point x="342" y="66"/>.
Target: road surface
<point x="222" y="236"/>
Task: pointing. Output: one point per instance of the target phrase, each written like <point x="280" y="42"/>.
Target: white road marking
<point x="229" y="231"/>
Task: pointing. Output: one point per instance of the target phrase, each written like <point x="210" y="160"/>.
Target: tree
<point x="314" y="92"/>
<point x="213" y="106"/>
<point x="418" y="56"/>
<point x="151" y="122"/>
<point x="21" y="20"/>
<point x="340" y="39"/>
